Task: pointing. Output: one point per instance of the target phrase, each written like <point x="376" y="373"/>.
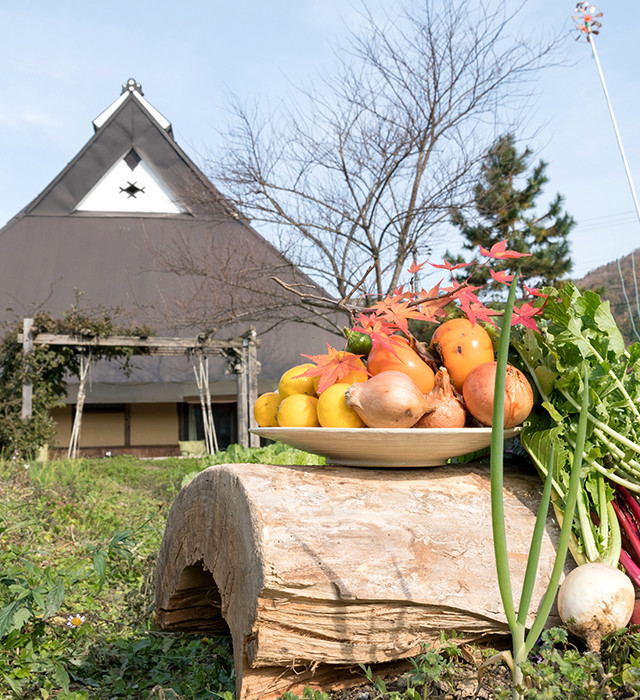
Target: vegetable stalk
<point x="523" y="641"/>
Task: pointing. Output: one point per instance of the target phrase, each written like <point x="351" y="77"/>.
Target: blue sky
<point x="63" y="63"/>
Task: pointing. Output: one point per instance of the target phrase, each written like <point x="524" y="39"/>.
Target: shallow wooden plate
<point x="382" y="447"/>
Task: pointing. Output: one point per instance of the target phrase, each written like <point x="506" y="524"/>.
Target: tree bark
<point x="316" y="569"/>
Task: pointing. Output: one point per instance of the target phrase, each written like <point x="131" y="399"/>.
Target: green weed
<point x="78" y="541"/>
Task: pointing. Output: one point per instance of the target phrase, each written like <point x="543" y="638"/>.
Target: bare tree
<point x="361" y="174"/>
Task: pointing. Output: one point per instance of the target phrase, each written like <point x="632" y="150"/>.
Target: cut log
<point x="317" y="569"/>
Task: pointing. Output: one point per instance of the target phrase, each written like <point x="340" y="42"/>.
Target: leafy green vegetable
<point x="580" y="335"/>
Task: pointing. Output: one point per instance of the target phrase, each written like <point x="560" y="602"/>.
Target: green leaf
<point x="54" y="599"/>
<point x="21" y="617"/>
<point x="6" y="617"/>
<point x="581" y="341"/>
<point x="61" y="676"/>
<point x="13" y="683"/>
<point x="99" y="566"/>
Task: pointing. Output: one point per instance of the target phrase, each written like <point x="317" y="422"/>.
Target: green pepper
<point x="358" y="343"/>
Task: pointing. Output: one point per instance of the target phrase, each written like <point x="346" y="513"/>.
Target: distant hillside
<point x="607" y="281"/>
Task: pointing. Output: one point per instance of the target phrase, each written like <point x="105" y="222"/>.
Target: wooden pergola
<point x="240" y="353"/>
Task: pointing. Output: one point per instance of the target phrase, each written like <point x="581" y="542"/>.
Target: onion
<point x="595" y="600"/>
<point x="478" y="390"/>
<point x="444" y="408"/>
<point x="390" y="399"/>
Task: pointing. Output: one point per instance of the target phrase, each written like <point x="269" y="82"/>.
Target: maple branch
<point x="327" y="302"/>
<point x="345" y="299"/>
<point x="323" y="302"/>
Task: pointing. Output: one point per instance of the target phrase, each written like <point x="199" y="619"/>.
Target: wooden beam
<point x="153" y="345"/>
<point x="241" y="352"/>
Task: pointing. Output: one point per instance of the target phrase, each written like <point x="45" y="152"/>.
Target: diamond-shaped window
<point x="132" y="159"/>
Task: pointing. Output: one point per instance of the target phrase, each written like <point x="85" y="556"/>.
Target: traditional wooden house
<point x="132" y="223"/>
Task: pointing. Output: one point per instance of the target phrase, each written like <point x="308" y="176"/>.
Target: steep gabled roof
<point x="131" y="158"/>
<point x="128" y="198"/>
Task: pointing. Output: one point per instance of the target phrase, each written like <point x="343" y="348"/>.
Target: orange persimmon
<point x="403" y="358"/>
<point x="462" y="345"/>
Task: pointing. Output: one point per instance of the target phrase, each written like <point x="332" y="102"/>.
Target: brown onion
<point x="444" y="408"/>
<point x="478" y="391"/>
<point x="389" y="399"/>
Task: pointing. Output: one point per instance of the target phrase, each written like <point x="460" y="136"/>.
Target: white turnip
<point x="595" y="600"/>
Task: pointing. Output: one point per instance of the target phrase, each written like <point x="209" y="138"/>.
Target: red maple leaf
<point x="448" y="266"/>
<point x="397" y="311"/>
<point x="399" y="293"/>
<point x="501" y="276"/>
<point x="525" y="316"/>
<point x="499" y="252"/>
<point x="414" y="267"/>
<point x="532" y="291"/>
<point x="333" y="366"/>
<point x="432" y="303"/>
<point x="475" y="310"/>
<point x="457" y="290"/>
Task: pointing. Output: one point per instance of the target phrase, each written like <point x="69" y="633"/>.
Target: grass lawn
<point x="78" y="542"/>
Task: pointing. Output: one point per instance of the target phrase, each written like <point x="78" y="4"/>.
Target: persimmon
<point x="462" y="345"/>
<point x="403" y="358"/>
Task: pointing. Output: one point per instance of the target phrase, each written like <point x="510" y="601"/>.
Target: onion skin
<point x="390" y="399"/>
<point x="445" y="409"/>
<point x="595" y="600"/>
<point x="478" y="391"/>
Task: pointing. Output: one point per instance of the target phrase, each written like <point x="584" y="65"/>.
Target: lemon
<point x="266" y="408"/>
<point x="292" y="383"/>
<point x="298" y="411"/>
<point x="333" y="411"/>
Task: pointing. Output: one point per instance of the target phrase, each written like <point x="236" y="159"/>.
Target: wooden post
<point x="253" y="368"/>
<point x="241" y="398"/>
<point x="74" y="441"/>
<point x="27" y="386"/>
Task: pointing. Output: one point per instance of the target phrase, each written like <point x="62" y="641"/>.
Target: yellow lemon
<point x="266" y="408"/>
<point x="298" y="411"/>
<point x="333" y="411"/>
<point x="292" y="383"/>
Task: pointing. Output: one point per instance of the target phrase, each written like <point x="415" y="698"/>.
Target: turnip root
<point x="595" y="600"/>
<point x="390" y="399"/>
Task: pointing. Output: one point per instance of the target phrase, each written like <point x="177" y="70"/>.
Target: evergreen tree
<point x="504" y="200"/>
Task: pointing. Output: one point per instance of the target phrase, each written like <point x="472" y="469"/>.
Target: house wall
<point x="154" y="424"/>
<point x="102" y="428"/>
<point x="62" y="417"/>
<point x="146" y="424"/>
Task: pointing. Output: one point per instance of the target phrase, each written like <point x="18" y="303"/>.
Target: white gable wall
<point x="126" y="191"/>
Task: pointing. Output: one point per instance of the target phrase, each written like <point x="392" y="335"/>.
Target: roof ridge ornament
<point x="132" y="89"/>
<point x="131" y="86"/>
